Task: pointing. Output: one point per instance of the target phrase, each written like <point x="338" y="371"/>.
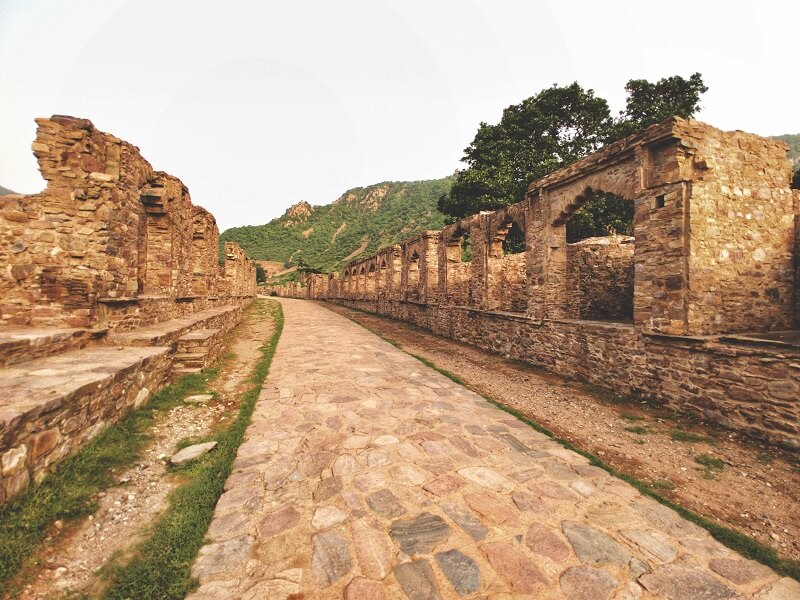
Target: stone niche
<point x="110" y="243"/>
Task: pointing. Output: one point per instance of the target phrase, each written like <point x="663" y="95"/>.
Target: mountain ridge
<point x="360" y="220"/>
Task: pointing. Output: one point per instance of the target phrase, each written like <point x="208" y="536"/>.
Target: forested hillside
<point x="793" y="139"/>
<point x="359" y="222"/>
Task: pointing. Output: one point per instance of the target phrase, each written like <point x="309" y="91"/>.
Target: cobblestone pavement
<point x="367" y="475"/>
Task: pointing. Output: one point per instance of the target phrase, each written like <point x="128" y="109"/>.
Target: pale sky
<point x="256" y="105"/>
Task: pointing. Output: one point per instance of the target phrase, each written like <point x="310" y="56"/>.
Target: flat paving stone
<point x="542" y="540"/>
<point x="462" y="572"/>
<point x="682" y="582"/>
<point x="466" y="520"/>
<point x="366" y="475"/>
<point x="419" y="534"/>
<point x="374" y="549"/>
<point x="331" y="558"/>
<point x="417" y="581"/>
<point x="593" y="546"/>
<point x="385" y="503"/>
<point x="587" y="583"/>
<point x="518" y="570"/>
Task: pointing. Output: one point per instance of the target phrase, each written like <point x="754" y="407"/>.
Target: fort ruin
<point x="111" y="286"/>
<point x="697" y="310"/>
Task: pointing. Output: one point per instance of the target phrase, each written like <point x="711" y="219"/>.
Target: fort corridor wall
<point x="110" y="285"/>
<point x="698" y="310"/>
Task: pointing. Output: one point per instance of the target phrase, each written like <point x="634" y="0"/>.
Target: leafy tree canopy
<point x="604" y="214"/>
<point x="261" y="274"/>
<point x="552" y="129"/>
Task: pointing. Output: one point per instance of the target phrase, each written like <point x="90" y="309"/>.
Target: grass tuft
<point x="708" y="461"/>
<point x="765" y="457"/>
<point x="692" y="438"/>
<point x="663" y="485"/>
<point x="631" y="417"/>
<point x="640" y="429"/>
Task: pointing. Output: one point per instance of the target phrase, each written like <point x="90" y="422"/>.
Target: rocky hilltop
<point x="360" y="221"/>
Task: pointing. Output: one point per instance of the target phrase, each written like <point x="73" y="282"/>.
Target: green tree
<point x="604" y="214"/>
<point x="533" y="138"/>
<point x="649" y="103"/>
<point x="261" y="274"/>
<point x="552" y="129"/>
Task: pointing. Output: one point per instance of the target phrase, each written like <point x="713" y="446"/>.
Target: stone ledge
<point x="50" y="407"/>
<point x="168" y="332"/>
<point x="780" y="339"/>
<point x="26" y="343"/>
<point x="44" y="384"/>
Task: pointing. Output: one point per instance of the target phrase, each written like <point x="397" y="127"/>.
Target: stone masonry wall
<point x="742" y="235"/>
<point x="31" y="447"/>
<point x="108" y="235"/>
<point x="109" y="246"/>
<point x="600" y="278"/>
<point x="714" y="254"/>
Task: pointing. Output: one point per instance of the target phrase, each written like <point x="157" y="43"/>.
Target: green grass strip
<point x="68" y="492"/>
<point x="161" y="566"/>
<point x="740" y="542"/>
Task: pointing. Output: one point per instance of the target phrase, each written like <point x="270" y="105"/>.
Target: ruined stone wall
<point x="796" y="195"/>
<point x="31" y="446"/>
<point x="239" y="273"/>
<point x="108" y="243"/>
<point x="600" y="278"/>
<point x="76" y="242"/>
<point x="715" y="247"/>
<point x="742" y="235"/>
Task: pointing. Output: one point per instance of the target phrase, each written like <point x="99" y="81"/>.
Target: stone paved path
<point x="367" y="475"/>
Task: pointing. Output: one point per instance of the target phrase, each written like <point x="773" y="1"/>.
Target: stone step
<point x="168" y="332"/>
<point x="51" y="406"/>
<point x="194" y="359"/>
<point x="19" y="344"/>
<point x="200" y="335"/>
<point x="185" y="371"/>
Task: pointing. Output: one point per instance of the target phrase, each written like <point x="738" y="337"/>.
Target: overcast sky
<point x="257" y="105"/>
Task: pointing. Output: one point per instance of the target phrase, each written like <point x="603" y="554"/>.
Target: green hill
<point x="793" y="139"/>
<point x="359" y="222"/>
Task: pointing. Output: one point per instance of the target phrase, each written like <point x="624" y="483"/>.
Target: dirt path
<point x="72" y="558"/>
<point x="753" y="490"/>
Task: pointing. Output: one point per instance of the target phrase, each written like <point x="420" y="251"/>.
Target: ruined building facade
<point x="699" y="309"/>
<point x="110" y="284"/>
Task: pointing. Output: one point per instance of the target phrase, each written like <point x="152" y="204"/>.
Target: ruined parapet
<point x="239" y="272"/>
<point x="109" y="287"/>
<point x="714" y="249"/>
<point x="109" y="242"/>
<point x="419" y="268"/>
<point x="205" y="241"/>
<point x="76" y="242"/>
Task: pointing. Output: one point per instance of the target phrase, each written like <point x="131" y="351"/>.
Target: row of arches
<point x="491" y="262"/>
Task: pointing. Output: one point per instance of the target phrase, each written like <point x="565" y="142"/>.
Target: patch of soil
<point x="754" y="490"/>
<point x="72" y="557"/>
